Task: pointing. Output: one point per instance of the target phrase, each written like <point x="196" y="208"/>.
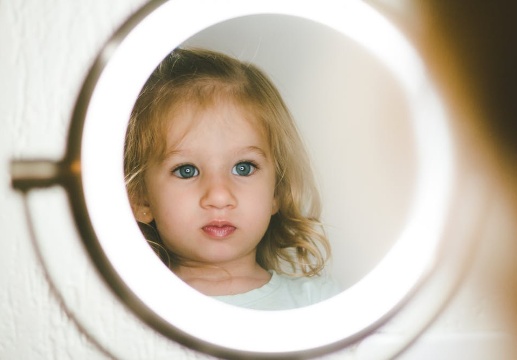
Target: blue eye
<point x="186" y="171"/>
<point x="244" y="168"/>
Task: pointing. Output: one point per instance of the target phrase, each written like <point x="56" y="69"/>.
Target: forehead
<point x="218" y="118"/>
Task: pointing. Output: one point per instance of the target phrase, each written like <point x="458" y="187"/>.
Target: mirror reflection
<point x="352" y="117"/>
<point x="218" y="176"/>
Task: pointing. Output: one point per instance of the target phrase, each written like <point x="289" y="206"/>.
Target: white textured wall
<point x="46" y="48"/>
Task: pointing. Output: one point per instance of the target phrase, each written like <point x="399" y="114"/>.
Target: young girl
<point x="218" y="174"/>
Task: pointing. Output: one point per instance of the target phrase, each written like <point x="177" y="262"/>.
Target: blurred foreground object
<point x="474" y="47"/>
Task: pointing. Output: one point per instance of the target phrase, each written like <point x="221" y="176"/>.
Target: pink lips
<point x="219" y="229"/>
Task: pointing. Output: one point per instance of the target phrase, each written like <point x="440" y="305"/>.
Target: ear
<point x="142" y="211"/>
<point x="276" y="206"/>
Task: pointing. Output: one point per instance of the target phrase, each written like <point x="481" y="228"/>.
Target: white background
<point x="46" y="50"/>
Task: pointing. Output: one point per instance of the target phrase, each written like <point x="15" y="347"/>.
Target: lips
<point x="219" y="229"/>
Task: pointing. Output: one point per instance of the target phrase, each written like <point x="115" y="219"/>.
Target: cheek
<point x="166" y="203"/>
<point x="173" y="214"/>
<point x="170" y="200"/>
<point x="265" y="198"/>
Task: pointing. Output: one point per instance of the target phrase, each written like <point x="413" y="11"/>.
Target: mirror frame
<point x="92" y="171"/>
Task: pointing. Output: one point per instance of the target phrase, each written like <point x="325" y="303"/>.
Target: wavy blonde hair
<point x="295" y="236"/>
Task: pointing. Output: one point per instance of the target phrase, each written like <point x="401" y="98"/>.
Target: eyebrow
<point x="251" y="148"/>
<point x="170" y="153"/>
<point x="254" y="149"/>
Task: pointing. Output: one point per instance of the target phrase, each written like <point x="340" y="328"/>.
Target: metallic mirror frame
<point x="27" y="175"/>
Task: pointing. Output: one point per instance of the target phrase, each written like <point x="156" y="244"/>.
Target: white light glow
<point x="352" y="311"/>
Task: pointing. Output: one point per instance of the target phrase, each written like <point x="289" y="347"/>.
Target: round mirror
<point x="377" y="134"/>
<point x="397" y="73"/>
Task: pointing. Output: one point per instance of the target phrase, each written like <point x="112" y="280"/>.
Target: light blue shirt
<point x="284" y="292"/>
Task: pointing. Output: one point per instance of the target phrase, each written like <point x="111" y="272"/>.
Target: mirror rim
<point x="122" y="279"/>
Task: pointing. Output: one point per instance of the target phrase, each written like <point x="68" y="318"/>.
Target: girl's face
<point x="212" y="196"/>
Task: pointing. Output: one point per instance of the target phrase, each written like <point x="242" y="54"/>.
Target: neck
<point x="223" y="279"/>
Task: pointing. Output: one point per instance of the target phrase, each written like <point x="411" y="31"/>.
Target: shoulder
<point x="284" y="292"/>
<point x="310" y="290"/>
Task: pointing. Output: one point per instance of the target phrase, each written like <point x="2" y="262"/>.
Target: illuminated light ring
<point x="350" y="313"/>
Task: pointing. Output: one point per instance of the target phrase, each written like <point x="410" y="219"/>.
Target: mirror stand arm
<point x="28" y="174"/>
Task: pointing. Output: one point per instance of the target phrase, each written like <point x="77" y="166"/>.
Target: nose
<point x="217" y="192"/>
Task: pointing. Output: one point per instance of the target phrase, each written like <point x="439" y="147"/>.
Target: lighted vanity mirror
<point x="376" y="133"/>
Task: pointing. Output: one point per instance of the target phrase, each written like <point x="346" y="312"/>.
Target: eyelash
<point x="177" y="170"/>
<point x="247" y="162"/>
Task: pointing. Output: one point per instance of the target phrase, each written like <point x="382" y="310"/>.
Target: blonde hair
<point x="295" y="236"/>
